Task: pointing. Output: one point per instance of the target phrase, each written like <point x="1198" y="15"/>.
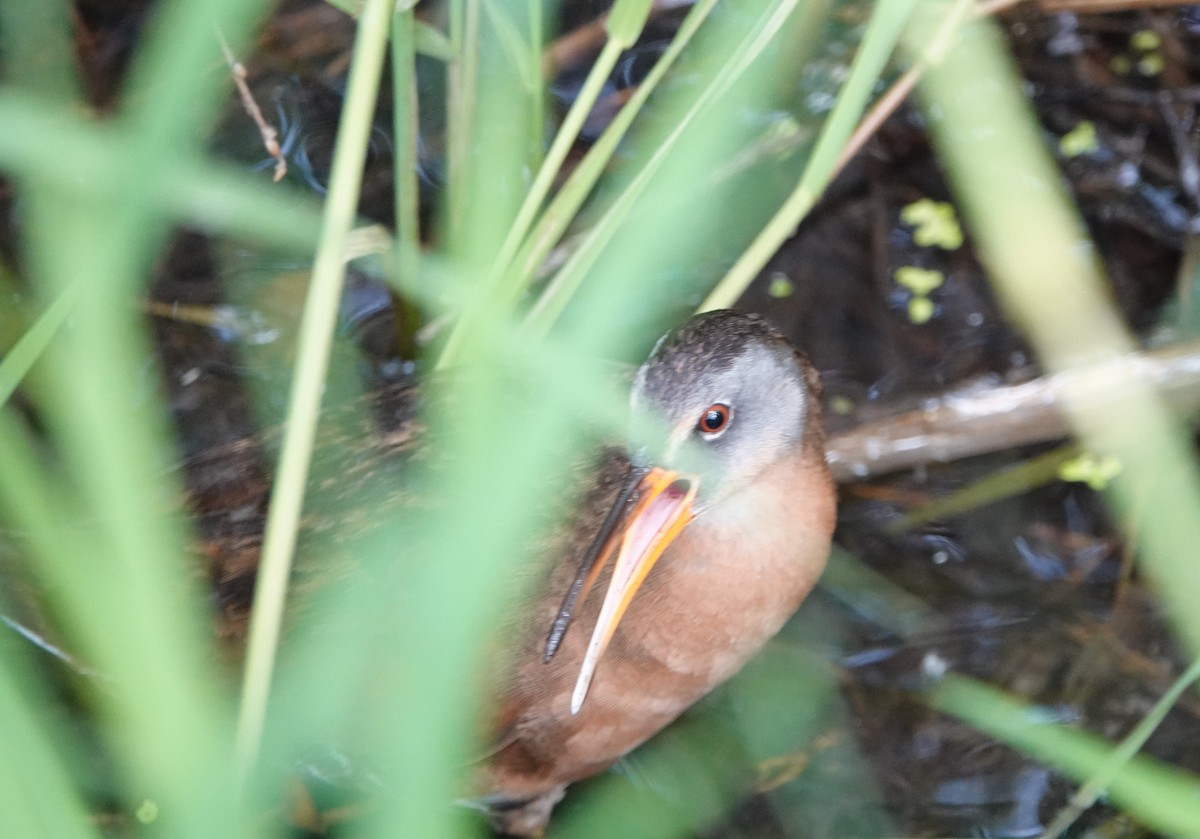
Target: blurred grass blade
<point x="165" y="702"/>
<point x="461" y="108"/>
<point x="36" y="49"/>
<point x="178" y="77"/>
<point x="427" y="40"/>
<point x="458" y="556"/>
<point x="316" y="337"/>
<point x="1005" y="483"/>
<point x="36" y="795"/>
<point x="489" y="168"/>
<point x="883" y="32"/>
<point x="625" y="23"/>
<point x="579" y="184"/>
<point x="874" y="597"/>
<point x="1099" y="782"/>
<point x="562" y="287"/>
<point x="406" y="126"/>
<point x="503" y="285"/>
<point x="26" y="351"/>
<point x="1047" y="275"/>
<point x="1163" y="798"/>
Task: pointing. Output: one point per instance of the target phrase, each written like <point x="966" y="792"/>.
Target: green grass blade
<point x="579" y="185"/>
<point x="36" y="793"/>
<point x="883" y="32"/>
<point x="406" y="126"/>
<point x="1099" y="782"/>
<point x="567" y="279"/>
<point x="35" y="43"/>
<point x="1163" y="798"/>
<point x="26" y="351"/>
<point x="88" y="158"/>
<point x="316" y="336"/>
<point x="1047" y="276"/>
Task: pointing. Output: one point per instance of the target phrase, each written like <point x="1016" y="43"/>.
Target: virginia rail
<point x="719" y="528"/>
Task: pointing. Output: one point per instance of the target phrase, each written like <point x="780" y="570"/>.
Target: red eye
<point x="714" y="419"/>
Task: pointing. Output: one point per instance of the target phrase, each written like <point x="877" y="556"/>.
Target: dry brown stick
<point x="988" y="419"/>
<point x="270" y="136"/>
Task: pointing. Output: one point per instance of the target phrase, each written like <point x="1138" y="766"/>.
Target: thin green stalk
<point x="520" y="267"/>
<point x="559" y="291"/>
<point x="1005" y="483"/>
<point x="463" y="81"/>
<point x="579" y="184"/>
<point x="1046" y="274"/>
<point x="618" y="41"/>
<point x="1165" y="799"/>
<point x="315" y="341"/>
<point x="883" y="31"/>
<point x="1095" y="786"/>
<point x="17" y="361"/>
<point x="406" y="129"/>
<point x="536" y="37"/>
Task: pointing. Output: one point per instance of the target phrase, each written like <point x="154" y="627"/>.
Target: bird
<point x="694" y="543"/>
<point x="690" y="543"/>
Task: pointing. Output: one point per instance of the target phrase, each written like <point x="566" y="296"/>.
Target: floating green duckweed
<point x="1151" y="65"/>
<point x="841" y="405"/>
<point x="781" y="286"/>
<point x="935" y="224"/>
<point x="919" y="281"/>
<point x="920" y="310"/>
<point x="1079" y="140"/>
<point x="1145" y="40"/>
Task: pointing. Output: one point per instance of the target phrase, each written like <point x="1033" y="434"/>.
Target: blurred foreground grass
<point x="196" y="752"/>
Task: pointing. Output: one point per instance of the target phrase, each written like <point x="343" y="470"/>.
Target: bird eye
<point x="714" y="419"/>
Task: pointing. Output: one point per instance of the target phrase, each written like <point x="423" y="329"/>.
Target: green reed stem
<point x="883" y="32"/>
<point x="315" y="341"/>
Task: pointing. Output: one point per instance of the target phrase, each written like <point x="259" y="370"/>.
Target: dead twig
<point x="268" y="132"/>
<point x="988" y="419"/>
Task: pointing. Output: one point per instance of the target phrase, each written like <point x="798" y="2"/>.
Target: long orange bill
<point x="664" y="508"/>
<point x="595" y="559"/>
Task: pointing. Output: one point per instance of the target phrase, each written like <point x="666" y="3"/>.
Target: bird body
<point x="747" y="518"/>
